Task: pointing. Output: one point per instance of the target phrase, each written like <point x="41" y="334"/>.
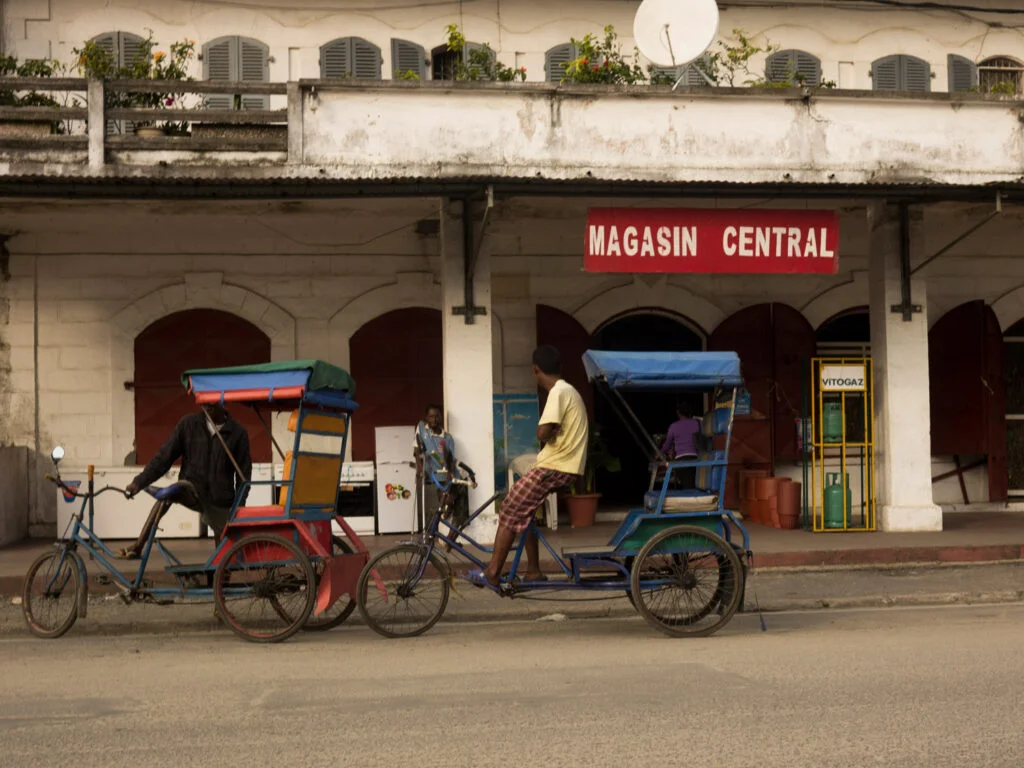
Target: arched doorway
<point x="968" y="392"/>
<point x="195" y="338"/>
<point x="847" y="334"/>
<point x="396" y="360"/>
<point x="644" y="331"/>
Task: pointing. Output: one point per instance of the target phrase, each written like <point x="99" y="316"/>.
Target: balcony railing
<point x="84" y="118"/>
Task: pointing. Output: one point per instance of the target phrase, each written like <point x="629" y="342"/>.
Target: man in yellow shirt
<point x="563" y="434"/>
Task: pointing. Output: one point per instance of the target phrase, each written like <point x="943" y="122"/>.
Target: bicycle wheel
<point x="686" y="581"/>
<point x="335" y="615"/>
<point x="49" y="599"/>
<point x="271" y="589"/>
<point x="400" y="595"/>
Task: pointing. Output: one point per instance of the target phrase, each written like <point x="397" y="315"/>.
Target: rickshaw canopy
<point x="280" y="384"/>
<point x="663" y="371"/>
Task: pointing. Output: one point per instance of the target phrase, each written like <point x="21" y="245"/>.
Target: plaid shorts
<point x="527" y="494"/>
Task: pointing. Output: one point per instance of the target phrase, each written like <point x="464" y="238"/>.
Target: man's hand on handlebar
<point x="131" y="490"/>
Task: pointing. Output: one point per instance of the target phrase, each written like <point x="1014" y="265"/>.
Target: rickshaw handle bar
<point x="58" y="482"/>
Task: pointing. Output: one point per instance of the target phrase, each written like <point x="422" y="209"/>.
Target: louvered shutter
<point x="556" y="60"/>
<point x="916" y="74"/>
<point x="470" y="47"/>
<point x="336" y="59"/>
<point x="108" y="43"/>
<point x="672" y="73"/>
<point x="963" y="73"/>
<point x="406" y="56"/>
<point x="783" y="66"/>
<point x="220" y="65"/>
<point x="129" y="49"/>
<point x="692" y="77"/>
<point x="885" y="74"/>
<point x="365" y="59"/>
<point x="255" y="68"/>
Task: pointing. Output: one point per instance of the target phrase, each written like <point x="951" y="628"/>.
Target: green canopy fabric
<point x="322" y="375"/>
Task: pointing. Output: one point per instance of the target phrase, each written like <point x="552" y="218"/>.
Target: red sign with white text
<point x="713" y="241"/>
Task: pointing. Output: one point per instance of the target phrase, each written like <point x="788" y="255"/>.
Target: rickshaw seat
<point x="248" y="513"/>
<point x="316" y="479"/>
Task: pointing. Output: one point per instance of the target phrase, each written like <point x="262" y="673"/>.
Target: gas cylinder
<point x="832" y="421"/>
<point x="833" y="499"/>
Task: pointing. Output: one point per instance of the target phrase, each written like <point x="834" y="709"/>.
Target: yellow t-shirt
<point x="566" y="451"/>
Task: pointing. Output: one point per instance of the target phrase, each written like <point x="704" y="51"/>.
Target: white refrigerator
<point x="396" y="480"/>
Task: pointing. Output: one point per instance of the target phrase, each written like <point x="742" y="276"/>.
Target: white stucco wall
<point x="846" y="40"/>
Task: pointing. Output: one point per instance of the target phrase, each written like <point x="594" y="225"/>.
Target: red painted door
<point x="967" y="389"/>
<point x="396" y="360"/>
<point x="564" y="332"/>
<point x="748" y="333"/>
<point x="196" y="338"/>
<point x="794" y="344"/>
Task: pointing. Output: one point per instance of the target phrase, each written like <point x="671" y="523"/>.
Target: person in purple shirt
<point x="681" y="443"/>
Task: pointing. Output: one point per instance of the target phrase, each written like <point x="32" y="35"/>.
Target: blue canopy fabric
<point x="313" y="382"/>
<point x="663" y="371"/>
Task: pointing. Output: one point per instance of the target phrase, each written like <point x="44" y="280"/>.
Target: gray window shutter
<point x="916" y="74"/>
<point x="692" y="77"/>
<point x="963" y="73"/>
<point x="470" y="47"/>
<point x="129" y="48"/>
<point x="254" y="67"/>
<point x="407" y="56"/>
<point x="220" y="65"/>
<point x="336" y="59"/>
<point x="556" y="60"/>
<point x="783" y="66"/>
<point x="885" y="74"/>
<point x="366" y="59"/>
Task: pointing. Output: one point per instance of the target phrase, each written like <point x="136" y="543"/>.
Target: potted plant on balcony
<point x="582" y="501"/>
<point x="95" y="61"/>
<point x="9" y="67"/>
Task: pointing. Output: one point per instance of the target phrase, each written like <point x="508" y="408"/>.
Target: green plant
<point x="600" y="60"/>
<point x="476" y="63"/>
<point x="407" y="74"/>
<point x="94" y="61"/>
<point x="40" y="68"/>
<point x="598" y="457"/>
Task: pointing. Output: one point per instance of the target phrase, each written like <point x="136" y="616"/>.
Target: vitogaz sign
<point x="843" y="378"/>
<point x="712" y="241"/>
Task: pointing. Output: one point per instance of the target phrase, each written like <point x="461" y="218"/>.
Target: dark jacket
<point x="203" y="461"/>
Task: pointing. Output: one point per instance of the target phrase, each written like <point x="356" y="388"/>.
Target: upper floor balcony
<point x="437" y="135"/>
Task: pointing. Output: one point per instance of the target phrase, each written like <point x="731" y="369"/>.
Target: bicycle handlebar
<point x="74" y="493"/>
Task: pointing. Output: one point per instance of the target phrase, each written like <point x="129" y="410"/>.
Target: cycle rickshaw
<point x="676" y="558"/>
<point x="278" y="568"/>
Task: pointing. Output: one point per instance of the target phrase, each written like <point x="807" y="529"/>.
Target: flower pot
<point x="789" y="522"/>
<point x="582" y="509"/>
<point x="150" y="131"/>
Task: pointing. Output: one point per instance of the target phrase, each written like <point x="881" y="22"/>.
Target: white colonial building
<point x="333" y="223"/>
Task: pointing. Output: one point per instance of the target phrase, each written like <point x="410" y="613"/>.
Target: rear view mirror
<point x="57" y="454"/>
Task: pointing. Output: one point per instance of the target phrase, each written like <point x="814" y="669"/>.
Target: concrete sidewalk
<point x="772" y="590"/>
<point x="967" y="537"/>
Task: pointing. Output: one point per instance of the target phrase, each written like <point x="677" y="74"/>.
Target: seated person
<point x="562" y="432"/>
<point x="208" y="479"/>
<point x="681" y="444"/>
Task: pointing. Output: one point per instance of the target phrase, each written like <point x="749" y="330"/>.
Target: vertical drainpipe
<point x="33" y="495"/>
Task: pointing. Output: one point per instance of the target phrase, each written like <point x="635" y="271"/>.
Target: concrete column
<point x="295" y="137"/>
<point x="97" y="128"/>
<point x="899" y="349"/>
<point x="468" y="372"/>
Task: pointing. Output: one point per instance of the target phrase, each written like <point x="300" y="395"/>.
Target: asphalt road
<point x="896" y="687"/>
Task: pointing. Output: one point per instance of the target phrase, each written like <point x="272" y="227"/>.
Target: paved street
<point x="897" y="687"/>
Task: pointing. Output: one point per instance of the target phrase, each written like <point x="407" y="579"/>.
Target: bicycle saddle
<point x="163" y="493"/>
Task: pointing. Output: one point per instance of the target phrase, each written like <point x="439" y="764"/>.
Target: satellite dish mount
<point x="675" y="33"/>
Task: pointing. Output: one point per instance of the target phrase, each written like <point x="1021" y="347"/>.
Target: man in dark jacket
<point x="209" y="478"/>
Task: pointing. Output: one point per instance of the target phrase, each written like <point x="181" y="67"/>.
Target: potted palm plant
<point x="583" y="497"/>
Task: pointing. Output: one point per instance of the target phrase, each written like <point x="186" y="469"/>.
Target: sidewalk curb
<point x="15" y="628"/>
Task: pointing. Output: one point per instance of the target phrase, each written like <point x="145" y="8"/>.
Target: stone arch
<point x="1009" y="308"/>
<point x="643" y="295"/>
<point x="197" y="291"/>
<point x="836" y="300"/>
<point x="410" y="289"/>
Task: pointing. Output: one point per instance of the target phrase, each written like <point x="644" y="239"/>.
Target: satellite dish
<point x="672" y="33"/>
